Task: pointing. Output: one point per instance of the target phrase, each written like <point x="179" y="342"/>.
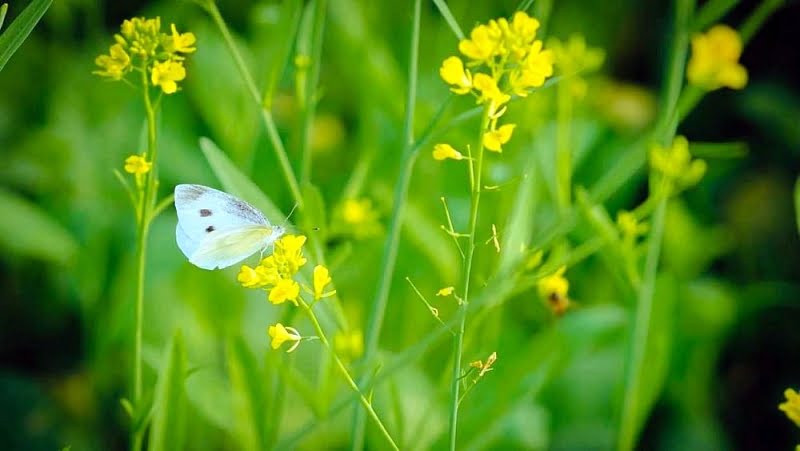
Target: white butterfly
<point x="216" y="230"/>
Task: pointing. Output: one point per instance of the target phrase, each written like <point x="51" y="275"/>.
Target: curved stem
<point x="475" y="186"/>
<point x="346" y="374"/>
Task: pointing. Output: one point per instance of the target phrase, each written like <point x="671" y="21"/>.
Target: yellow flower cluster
<point x="630" y="227"/>
<point x="676" y="165"/>
<point x="504" y="57"/>
<point x="792" y="405"/>
<point x="140" y="45"/>
<point x="275" y="273"/>
<point x="574" y="57"/>
<point x="554" y="289"/>
<point x="715" y="59"/>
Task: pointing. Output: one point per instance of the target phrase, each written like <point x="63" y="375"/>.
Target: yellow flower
<point x="249" y="278"/>
<point x="349" y="344"/>
<point x="136" y="164"/>
<point x="453" y="73"/>
<point x="356" y="211"/>
<point x="554" y="289"/>
<point x="484" y="43"/>
<point x="715" y="59"/>
<point x="494" y="139"/>
<point x="675" y="163"/>
<point x="284" y="290"/>
<point x="143" y="36"/>
<point x="445" y="151"/>
<point x="446" y="291"/>
<point x="321" y="279"/>
<point x="358" y="217"/>
<point x="489" y="90"/>
<point x="288" y="255"/>
<point x="115" y="64"/>
<point x="791" y="407"/>
<point x="166" y="75"/>
<point x="281" y="335"/>
<point x="181" y="42"/>
<point x="629" y="225"/>
<point x="536" y="68"/>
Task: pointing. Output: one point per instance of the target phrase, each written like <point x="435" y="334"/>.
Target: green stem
<point x="375" y="319"/>
<point x="563" y="152"/>
<point x="266" y="114"/>
<point x="346" y="374"/>
<point x="475" y="191"/>
<point x="632" y="413"/>
<point x="311" y="81"/>
<point x="144" y="216"/>
<point x="757" y="19"/>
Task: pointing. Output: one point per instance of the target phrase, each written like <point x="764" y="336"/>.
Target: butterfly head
<point x="278" y="231"/>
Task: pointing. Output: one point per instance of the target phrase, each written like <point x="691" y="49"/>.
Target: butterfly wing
<point x="205" y="215"/>
<point x="223" y="248"/>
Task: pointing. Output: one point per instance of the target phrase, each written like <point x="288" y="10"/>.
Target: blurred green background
<point x="731" y="258"/>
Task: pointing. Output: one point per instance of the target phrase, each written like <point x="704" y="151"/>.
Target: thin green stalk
<point x="563" y="151"/>
<point x="310" y="102"/>
<point x="266" y="115"/>
<point x="346" y="374"/>
<point x="631" y="412"/>
<point x="475" y="191"/>
<point x="376" y="315"/>
<point x="757" y="19"/>
<point x="144" y="217"/>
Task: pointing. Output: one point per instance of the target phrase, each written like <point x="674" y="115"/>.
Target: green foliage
<point x="16" y="33"/>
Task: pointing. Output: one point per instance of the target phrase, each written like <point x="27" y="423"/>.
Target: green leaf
<point x="517" y="234"/>
<point x="247" y="385"/>
<point x="19" y="30"/>
<point x="210" y="394"/>
<point x="3" y="11"/>
<point x="711" y="12"/>
<point x="235" y="182"/>
<point x="797" y="203"/>
<point x="27" y="230"/>
<point x="168" y="428"/>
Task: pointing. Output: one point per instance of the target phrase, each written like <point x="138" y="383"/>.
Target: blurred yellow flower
<point x="166" y="75"/>
<point x="115" y="64"/>
<point x="715" y="59"/>
<point x="555" y="289"/>
<point x="630" y="226"/>
<point x="446" y="291"/>
<point x="791" y="407"/>
<point x="321" y="279"/>
<point x="445" y="151"/>
<point x="281" y="335"/>
<point x="181" y="42"/>
<point x="675" y="163"/>
<point x="349" y="344"/>
<point x="453" y="73"/>
<point x="136" y="164"/>
<point x="494" y="139"/>
<point x="284" y="290"/>
<point x="358" y="218"/>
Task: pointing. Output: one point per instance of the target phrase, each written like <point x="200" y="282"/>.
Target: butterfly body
<point x="217" y="230"/>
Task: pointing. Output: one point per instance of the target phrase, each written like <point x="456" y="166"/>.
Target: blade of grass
<point x="444" y="10"/>
<point x="389" y="260"/>
<point x="168" y="429"/>
<point x="248" y="397"/>
<point x="3" y="11"/>
<point x="20" y="28"/>
<point x="291" y="12"/>
<point x="309" y="102"/>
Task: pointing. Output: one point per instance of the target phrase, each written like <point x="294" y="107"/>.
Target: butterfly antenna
<point x="286" y="221"/>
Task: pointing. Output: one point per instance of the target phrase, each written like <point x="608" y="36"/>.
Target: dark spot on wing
<point x="204" y="212"/>
<point x="210" y="229"/>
